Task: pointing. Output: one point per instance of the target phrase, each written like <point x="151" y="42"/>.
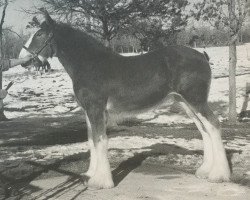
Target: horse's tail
<point x="206" y="56"/>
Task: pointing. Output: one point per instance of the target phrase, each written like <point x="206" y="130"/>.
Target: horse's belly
<point x="129" y="108"/>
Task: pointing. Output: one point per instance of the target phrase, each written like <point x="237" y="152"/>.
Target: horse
<point x="107" y="84"/>
<point x="39" y="63"/>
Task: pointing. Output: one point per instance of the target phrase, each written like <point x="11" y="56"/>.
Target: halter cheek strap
<point x="47" y="42"/>
<point x="38" y="51"/>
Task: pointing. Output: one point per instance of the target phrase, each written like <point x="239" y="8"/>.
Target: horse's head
<point x="42" y="42"/>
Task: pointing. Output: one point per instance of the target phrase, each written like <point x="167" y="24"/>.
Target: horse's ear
<point x="49" y="21"/>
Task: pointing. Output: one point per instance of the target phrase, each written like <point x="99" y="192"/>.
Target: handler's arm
<point x="8" y="63"/>
<point x="19" y="61"/>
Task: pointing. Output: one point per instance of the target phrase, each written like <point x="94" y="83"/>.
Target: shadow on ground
<point x="45" y="131"/>
<point x="21" y="187"/>
<point x="15" y="179"/>
<point x="136" y="162"/>
<point x="14" y="185"/>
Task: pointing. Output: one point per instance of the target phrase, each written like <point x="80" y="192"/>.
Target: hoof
<point x="202" y="172"/>
<point x="100" y="183"/>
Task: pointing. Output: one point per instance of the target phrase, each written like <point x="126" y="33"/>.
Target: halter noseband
<point x="38" y="51"/>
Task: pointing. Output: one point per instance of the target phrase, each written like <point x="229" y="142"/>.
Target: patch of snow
<point x="124" y="147"/>
<point x="133" y="54"/>
<point x="135" y="143"/>
<point x="171" y="119"/>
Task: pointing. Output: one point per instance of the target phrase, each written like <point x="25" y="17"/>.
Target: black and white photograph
<point x="124" y="99"/>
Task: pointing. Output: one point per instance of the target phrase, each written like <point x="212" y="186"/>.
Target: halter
<point x="38" y="51"/>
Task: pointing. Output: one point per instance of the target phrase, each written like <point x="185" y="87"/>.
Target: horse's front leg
<point x="93" y="158"/>
<point x="99" y="169"/>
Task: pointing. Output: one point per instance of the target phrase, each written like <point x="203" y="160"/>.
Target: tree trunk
<point x="245" y="102"/>
<point x="107" y="43"/>
<point x="195" y="44"/>
<point x="232" y="62"/>
<point x="2" y="116"/>
<point x="232" y="83"/>
<point x="241" y="37"/>
<point x="106" y="34"/>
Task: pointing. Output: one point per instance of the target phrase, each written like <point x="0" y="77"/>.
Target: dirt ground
<point x="155" y="171"/>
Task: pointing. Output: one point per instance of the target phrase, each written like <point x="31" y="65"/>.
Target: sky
<point x="18" y="19"/>
<point x="15" y="17"/>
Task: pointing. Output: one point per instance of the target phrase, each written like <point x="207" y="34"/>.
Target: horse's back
<point x="173" y="58"/>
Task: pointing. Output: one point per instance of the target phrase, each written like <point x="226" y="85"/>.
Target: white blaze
<point x="24" y="52"/>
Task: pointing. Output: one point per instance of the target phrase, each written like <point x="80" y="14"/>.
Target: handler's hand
<point x="27" y="58"/>
<point x="3" y="94"/>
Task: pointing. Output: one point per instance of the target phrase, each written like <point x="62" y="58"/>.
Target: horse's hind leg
<point x="215" y="164"/>
<point x="204" y="170"/>
<point x="220" y="170"/>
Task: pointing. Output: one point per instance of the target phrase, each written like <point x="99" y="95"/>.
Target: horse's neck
<point x="66" y="63"/>
<point x="75" y="40"/>
<point x="75" y="54"/>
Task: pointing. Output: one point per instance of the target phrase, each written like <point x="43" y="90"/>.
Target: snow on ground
<point x="52" y="95"/>
<point x="131" y="145"/>
<point x="36" y="94"/>
<point x="136" y="143"/>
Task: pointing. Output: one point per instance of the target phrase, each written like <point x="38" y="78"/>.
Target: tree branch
<point x="10" y="30"/>
<point x="3" y="16"/>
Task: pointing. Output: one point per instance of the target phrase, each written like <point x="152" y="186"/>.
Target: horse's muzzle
<point x="25" y="65"/>
<point x="35" y="62"/>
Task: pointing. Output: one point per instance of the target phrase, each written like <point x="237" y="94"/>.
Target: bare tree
<point x="107" y="18"/>
<point x="102" y="18"/>
<point x="12" y="42"/>
<point x="4" y="5"/>
<point x="159" y="22"/>
<point x="230" y="14"/>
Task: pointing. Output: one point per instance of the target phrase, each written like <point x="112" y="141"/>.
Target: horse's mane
<point x="80" y="37"/>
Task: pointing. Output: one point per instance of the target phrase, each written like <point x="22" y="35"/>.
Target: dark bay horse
<point x="106" y="83"/>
